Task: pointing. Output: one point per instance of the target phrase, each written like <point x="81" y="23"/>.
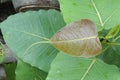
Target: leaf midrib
<point x="74" y="40"/>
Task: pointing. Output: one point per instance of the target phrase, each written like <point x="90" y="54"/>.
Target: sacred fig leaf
<point x="103" y="13"/>
<point x="112" y="55"/>
<point x="78" y="38"/>
<point x="28" y="34"/>
<point x="25" y="71"/>
<point x="111" y="51"/>
<point x="66" y="67"/>
<point x="113" y="32"/>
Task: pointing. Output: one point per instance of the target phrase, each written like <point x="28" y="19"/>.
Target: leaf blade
<point x="26" y="72"/>
<point x="78" y="39"/>
<point x="102" y="13"/>
<point x="22" y="30"/>
<point x="76" y="68"/>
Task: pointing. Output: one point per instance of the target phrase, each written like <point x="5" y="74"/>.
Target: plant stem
<point x="117" y="44"/>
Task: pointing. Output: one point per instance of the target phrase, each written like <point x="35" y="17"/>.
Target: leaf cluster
<point x="34" y="36"/>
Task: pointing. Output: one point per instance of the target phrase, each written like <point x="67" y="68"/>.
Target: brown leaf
<point x="78" y="38"/>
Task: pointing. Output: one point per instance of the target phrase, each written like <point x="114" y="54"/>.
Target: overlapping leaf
<point x="103" y="13"/>
<point x="111" y="55"/>
<point x="113" y="32"/>
<point x="25" y="71"/>
<point x="65" y="67"/>
<point x="27" y="34"/>
<point x="78" y="38"/>
<point x="10" y="70"/>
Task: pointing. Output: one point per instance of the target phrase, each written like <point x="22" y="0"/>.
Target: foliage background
<point x="28" y="35"/>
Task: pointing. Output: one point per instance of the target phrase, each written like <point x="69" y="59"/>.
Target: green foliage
<point x="10" y="70"/>
<point x="113" y="32"/>
<point x="65" y="67"/>
<point x="103" y="13"/>
<point x="1" y="54"/>
<point x="78" y="39"/>
<point x="29" y="36"/>
<point x="111" y="55"/>
<point x="25" y="71"/>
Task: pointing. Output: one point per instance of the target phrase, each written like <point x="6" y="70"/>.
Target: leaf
<point x="78" y="38"/>
<point x="102" y="34"/>
<point x="113" y="32"/>
<point x="103" y="13"/>
<point x="25" y="71"/>
<point x="112" y="55"/>
<point x="1" y="54"/>
<point x="10" y="70"/>
<point x="111" y="51"/>
<point x="65" y="67"/>
<point x="27" y="34"/>
<point x="1" y="59"/>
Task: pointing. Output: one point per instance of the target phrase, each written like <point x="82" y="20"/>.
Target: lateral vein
<point x="88" y="69"/>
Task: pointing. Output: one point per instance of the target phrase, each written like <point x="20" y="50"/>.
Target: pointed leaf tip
<point x="78" y="38"/>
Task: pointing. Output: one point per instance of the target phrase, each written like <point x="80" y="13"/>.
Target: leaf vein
<point x="98" y="14"/>
<point x="79" y="39"/>
<point x="32" y="34"/>
<point x="88" y="69"/>
<point x="40" y="42"/>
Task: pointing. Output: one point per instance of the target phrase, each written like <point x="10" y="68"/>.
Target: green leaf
<point x="25" y="71"/>
<point x="111" y="52"/>
<point x="10" y="70"/>
<point x="1" y="58"/>
<point x="103" y="13"/>
<point x="103" y="33"/>
<point x="112" y="55"/>
<point x="1" y="54"/>
<point x="78" y="39"/>
<point x="113" y="32"/>
<point x="65" y="67"/>
<point x="28" y="34"/>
